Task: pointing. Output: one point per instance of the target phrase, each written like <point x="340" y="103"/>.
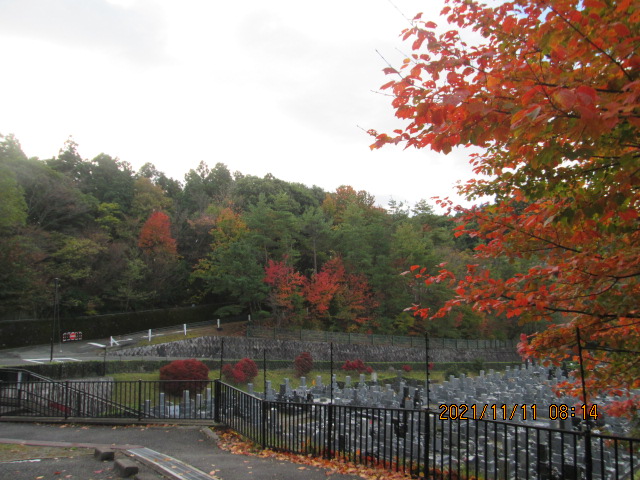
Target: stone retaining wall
<point x="239" y="347"/>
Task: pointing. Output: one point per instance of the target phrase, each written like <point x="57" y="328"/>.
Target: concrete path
<point x="193" y="446"/>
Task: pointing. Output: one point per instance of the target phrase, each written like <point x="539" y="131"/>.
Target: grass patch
<point x="228" y="329"/>
<point x="277" y="377"/>
<point x="128" y="390"/>
<point x="173" y="337"/>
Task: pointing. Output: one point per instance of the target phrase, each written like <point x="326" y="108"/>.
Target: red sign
<point x="71" y="336"/>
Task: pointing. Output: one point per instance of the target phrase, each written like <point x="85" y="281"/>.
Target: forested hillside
<point x="120" y="240"/>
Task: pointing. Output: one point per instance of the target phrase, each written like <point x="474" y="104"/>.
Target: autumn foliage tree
<point x="550" y="95"/>
<point x="285" y="295"/>
<point x="338" y="298"/>
<point x="155" y="235"/>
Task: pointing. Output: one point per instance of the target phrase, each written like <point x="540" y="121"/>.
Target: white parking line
<point x="46" y="360"/>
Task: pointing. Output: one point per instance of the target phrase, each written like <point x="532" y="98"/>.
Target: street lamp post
<point x="56" y="316"/>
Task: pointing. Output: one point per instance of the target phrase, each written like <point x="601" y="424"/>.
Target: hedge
<point x="70" y="370"/>
<point x="20" y="333"/>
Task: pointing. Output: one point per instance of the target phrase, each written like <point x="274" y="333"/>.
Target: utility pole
<point x="56" y="316"/>
<point x="426" y="350"/>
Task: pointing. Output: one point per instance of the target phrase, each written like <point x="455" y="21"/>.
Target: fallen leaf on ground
<point x="233" y="443"/>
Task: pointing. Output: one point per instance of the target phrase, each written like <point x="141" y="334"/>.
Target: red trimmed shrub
<point x="242" y="372"/>
<point x="249" y="368"/>
<point x="407" y="368"/>
<point x="186" y="375"/>
<point x="303" y="364"/>
<point x="357" y="365"/>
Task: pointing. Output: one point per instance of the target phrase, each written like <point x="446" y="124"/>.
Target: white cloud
<point x="134" y="32"/>
<point x="277" y="87"/>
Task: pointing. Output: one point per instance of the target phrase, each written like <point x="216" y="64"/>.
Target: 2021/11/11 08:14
<point x="507" y="412"/>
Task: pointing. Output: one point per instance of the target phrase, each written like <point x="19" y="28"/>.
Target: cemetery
<point x="507" y="424"/>
<point x="391" y="424"/>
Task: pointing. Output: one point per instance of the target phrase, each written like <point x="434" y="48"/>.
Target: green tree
<point x="147" y="199"/>
<point x="70" y="164"/>
<point x="111" y="181"/>
<point x="131" y="290"/>
<point x="53" y="202"/>
<point x="110" y="218"/>
<point x="231" y="268"/>
<point x="74" y="263"/>
<point x="172" y="188"/>
<point x="13" y="208"/>
<point x="315" y="231"/>
<point x="204" y="186"/>
<point x="273" y="227"/>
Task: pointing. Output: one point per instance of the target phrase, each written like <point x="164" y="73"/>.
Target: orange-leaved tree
<point x="550" y="95"/>
<point x="285" y="295"/>
<point x="155" y="235"/>
<point x="338" y="298"/>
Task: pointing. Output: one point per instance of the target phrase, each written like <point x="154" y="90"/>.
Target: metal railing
<point x="108" y="399"/>
<point x="419" y="443"/>
<point x="254" y="331"/>
<point x="413" y="441"/>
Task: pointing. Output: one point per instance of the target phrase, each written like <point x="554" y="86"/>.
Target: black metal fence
<point x="107" y="399"/>
<point x="254" y="331"/>
<point x="419" y="443"/>
<point x="413" y="441"/>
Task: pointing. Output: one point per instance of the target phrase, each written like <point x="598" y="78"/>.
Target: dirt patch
<point x="11" y="452"/>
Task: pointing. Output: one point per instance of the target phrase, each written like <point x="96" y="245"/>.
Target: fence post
<point x="19" y="389"/>
<point x="331" y="371"/>
<point x="217" y="399"/>
<point x="264" y="407"/>
<point x="426" y="354"/>
<point x="427" y="442"/>
<point x="588" y="461"/>
<point x="139" y="399"/>
<point x="329" y="430"/>
<point x="264" y="372"/>
<point x="78" y="404"/>
<point x="65" y="403"/>
<point x="221" y="357"/>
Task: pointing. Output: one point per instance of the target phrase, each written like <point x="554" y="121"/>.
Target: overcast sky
<point x="264" y="87"/>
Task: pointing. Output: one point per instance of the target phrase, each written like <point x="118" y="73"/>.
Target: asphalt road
<point x="84" y="350"/>
<point x="190" y="444"/>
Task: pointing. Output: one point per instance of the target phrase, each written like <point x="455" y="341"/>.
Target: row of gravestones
<point x="530" y="443"/>
<point x="523" y="395"/>
<point x="491" y="449"/>
<point x="523" y="447"/>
